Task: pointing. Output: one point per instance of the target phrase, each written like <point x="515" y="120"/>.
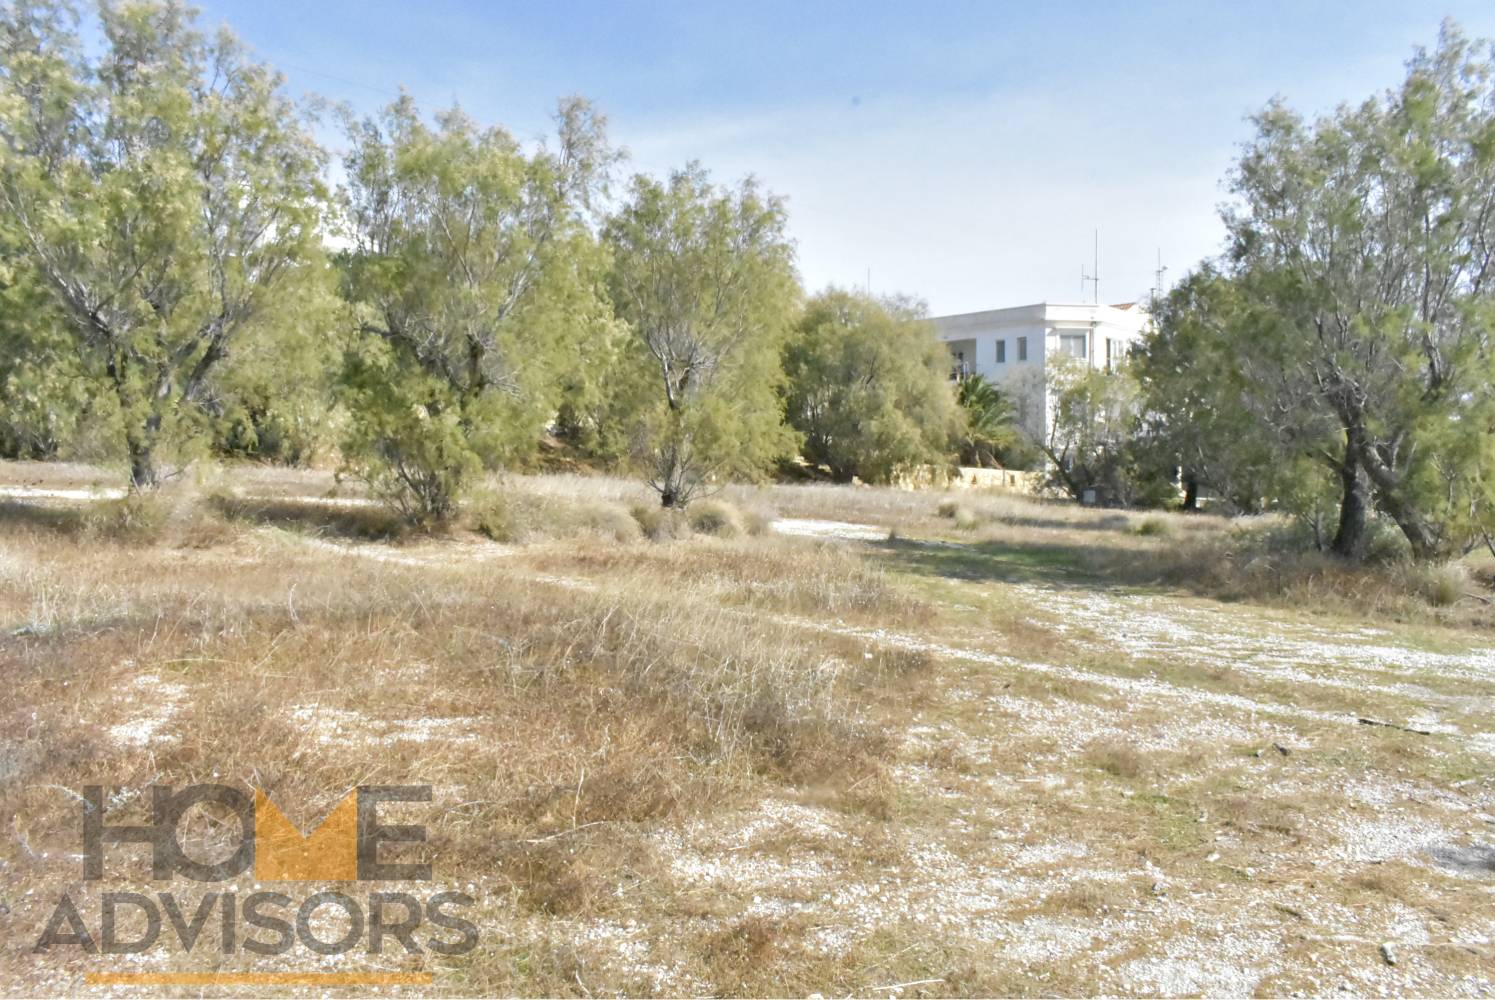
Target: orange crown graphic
<point x="328" y="854"/>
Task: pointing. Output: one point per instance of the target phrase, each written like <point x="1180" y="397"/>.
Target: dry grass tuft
<point x="1091" y="899"/>
<point x="716" y="517"/>
<point x="1441" y="586"/>
<point x="770" y="573"/>
<point x="659" y="524"/>
<point x="515" y="515"/>
<point x="1118" y="760"/>
<point x="1259" y="814"/>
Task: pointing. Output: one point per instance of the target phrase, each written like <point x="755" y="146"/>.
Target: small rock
<point x="1214" y="856"/>
<point x="1388" y="953"/>
<point x="1281" y="749"/>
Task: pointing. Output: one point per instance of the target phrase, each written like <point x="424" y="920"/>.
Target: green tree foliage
<point x="1200" y="408"/>
<point x="273" y="400"/>
<point x="868" y="387"/>
<point x="704" y="278"/>
<point x="1095" y="440"/>
<point x="474" y="280"/>
<point x="1367" y="235"/>
<point x="163" y="194"/>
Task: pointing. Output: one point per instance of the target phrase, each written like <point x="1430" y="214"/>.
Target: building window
<point x="1072" y="344"/>
<point x="1022" y="348"/>
<point x="1110" y="353"/>
<point x="1001" y="352"/>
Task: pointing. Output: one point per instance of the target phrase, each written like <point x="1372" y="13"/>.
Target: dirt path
<point x="1102" y="831"/>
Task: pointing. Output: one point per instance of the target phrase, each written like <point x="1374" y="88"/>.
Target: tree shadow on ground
<point x="1107" y="523"/>
<point x="1002" y="562"/>
<point x="324" y="518"/>
<point x="62" y="519"/>
<point x="1055" y="564"/>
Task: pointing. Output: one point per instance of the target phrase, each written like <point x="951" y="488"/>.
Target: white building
<point x="1011" y="347"/>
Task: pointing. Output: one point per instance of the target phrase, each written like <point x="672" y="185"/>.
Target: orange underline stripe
<point x="257" y="978"/>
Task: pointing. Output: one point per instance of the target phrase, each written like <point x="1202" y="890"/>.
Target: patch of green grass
<point x="1174" y="823"/>
<point x="995" y="561"/>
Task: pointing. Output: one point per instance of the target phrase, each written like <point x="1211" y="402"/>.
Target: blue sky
<point x="960" y="152"/>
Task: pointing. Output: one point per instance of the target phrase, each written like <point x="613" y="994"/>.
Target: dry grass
<point x="1261" y="560"/>
<point x="514" y="515"/>
<point x="758" y="765"/>
<point x="559" y="723"/>
<point x="770" y="573"/>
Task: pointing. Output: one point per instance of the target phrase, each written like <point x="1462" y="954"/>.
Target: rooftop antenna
<point x="1093" y="278"/>
<point x="1157" y="277"/>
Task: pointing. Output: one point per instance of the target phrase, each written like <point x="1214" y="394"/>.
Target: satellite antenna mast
<point x="1093" y="278"/>
<point x="1157" y="276"/>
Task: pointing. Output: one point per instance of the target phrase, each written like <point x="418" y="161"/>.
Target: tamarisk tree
<point x="704" y="279"/>
<point x="162" y="193"/>
<point x="869" y="387"/>
<point x="1369" y="235"/>
<point x="473" y="278"/>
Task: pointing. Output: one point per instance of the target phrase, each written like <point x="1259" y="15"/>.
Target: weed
<point x="134" y="519"/>
<point x="715" y="517"/>
<point x="1154" y="527"/>
<point x="659" y="524"/>
<point x="1118" y="759"/>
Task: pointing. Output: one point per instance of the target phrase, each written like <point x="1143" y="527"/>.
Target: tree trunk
<point x="1350" y="538"/>
<point x="1391" y="493"/>
<point x="141" y="446"/>
<point x="1191" y="492"/>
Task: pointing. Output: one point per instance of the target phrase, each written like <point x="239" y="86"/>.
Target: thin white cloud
<point x="969" y="204"/>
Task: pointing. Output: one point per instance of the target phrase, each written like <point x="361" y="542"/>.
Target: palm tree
<point x="991" y="422"/>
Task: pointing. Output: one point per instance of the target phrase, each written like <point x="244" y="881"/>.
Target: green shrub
<point x="716" y="518"/>
<point x="1386" y="543"/>
<point x="493" y="516"/>
<point x="1441" y="585"/>
<point x="1154" y="526"/>
<point x="965" y="520"/>
<point x="134" y="519"/>
<point x="948" y="508"/>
